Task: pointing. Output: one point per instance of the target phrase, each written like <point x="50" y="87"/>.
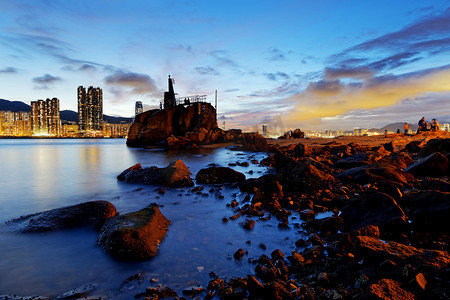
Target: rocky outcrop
<point x="176" y="174"/>
<point x="155" y="126"/>
<point x="136" y="235"/>
<point x="376" y="173"/>
<point x="218" y="175"/>
<point x="434" y="165"/>
<point x="94" y="213"/>
<point x="254" y="142"/>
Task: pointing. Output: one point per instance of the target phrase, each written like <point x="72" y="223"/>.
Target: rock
<point x="193" y="290"/>
<point x="430" y="210"/>
<point x="376" y="173"/>
<point x="301" y="150"/>
<point x="161" y="291"/>
<point x="254" y="142"/>
<point x="434" y="165"/>
<point x="217" y="175"/>
<point x="275" y="291"/>
<point x="436" y="145"/>
<point x="414" y="146"/>
<point x="387" y="289"/>
<point x="375" y="209"/>
<point x="372" y="249"/>
<point x="176" y="174"/>
<point x="136" y="235"/>
<point x="250" y="185"/>
<point x="399" y="160"/>
<point x="248" y="224"/>
<point x="152" y="127"/>
<point x="78" y="293"/>
<point x="93" y="213"/>
<point x="298" y="176"/>
<point x="239" y="254"/>
<point x="298" y="134"/>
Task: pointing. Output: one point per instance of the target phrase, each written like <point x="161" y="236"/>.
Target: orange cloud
<point x="331" y="98"/>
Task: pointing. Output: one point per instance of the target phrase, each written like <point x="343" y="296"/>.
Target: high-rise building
<point x="90" y="108"/>
<point x="138" y="109"/>
<point x="45" y="117"/>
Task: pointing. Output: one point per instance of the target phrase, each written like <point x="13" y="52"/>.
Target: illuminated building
<point x="45" y="117"/>
<point x="15" y="123"/>
<point x="116" y="130"/>
<point x="138" y="108"/>
<point x="90" y="109"/>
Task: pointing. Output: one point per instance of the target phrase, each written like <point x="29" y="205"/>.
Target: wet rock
<point x="375" y="209"/>
<point x="372" y="249"/>
<point x="78" y="292"/>
<point x="134" y="236"/>
<point x="160" y="291"/>
<point x="430" y="210"/>
<point x="176" y="174"/>
<point x="239" y="254"/>
<point x="387" y="289"/>
<point x="251" y="184"/>
<point x="93" y="213"/>
<point x="254" y="142"/>
<point x="248" y="224"/>
<point x="217" y="175"/>
<point x="193" y="290"/>
<point x="277" y="254"/>
<point x="276" y="291"/>
<point x="434" y="165"/>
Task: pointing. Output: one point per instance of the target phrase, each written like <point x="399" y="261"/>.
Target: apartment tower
<point x="90" y="108"/>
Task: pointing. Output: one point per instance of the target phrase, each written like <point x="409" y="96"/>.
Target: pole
<point x="215" y="97"/>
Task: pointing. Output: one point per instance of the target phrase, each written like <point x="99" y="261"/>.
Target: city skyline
<point x="327" y="65"/>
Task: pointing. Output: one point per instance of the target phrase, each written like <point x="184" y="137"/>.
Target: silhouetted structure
<point x="90" y="108"/>
<point x="138" y="109"/>
<point x="169" y="97"/>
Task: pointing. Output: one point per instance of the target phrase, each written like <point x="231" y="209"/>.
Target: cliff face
<point x="155" y="126"/>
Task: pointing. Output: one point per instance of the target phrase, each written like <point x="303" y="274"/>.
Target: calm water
<point x="38" y="175"/>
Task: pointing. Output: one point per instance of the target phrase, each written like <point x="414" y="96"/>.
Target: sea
<point x="42" y="174"/>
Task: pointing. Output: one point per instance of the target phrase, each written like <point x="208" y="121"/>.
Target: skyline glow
<point x="321" y="65"/>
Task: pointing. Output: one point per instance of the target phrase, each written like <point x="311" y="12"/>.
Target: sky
<point x="289" y="64"/>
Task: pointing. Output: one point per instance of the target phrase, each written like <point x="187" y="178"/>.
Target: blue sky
<point x="312" y="64"/>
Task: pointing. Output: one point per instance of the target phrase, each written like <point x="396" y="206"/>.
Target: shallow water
<point x="38" y="175"/>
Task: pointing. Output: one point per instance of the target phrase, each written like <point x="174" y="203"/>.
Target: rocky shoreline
<point x="387" y="238"/>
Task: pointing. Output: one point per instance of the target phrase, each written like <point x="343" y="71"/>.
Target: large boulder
<point x="377" y="250"/>
<point x="218" y="175"/>
<point x="436" y="145"/>
<point x="429" y="210"/>
<point x="376" y="209"/>
<point x="434" y="165"/>
<point x="155" y="126"/>
<point x="254" y="142"/>
<point x="299" y="177"/>
<point x="176" y="174"/>
<point x="387" y="289"/>
<point x="93" y="213"/>
<point x="136" y="235"/>
<point x="374" y="173"/>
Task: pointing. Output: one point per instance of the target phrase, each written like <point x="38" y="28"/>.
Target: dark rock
<point x="136" y="235"/>
<point x="372" y="249"/>
<point x="376" y="173"/>
<point x="414" y="146"/>
<point x="301" y="150"/>
<point x="277" y="254"/>
<point x="217" y="175"/>
<point x="250" y="185"/>
<point x="193" y="290"/>
<point x="434" y="165"/>
<point x="435" y="184"/>
<point x="387" y="289"/>
<point x="93" y="213"/>
<point x="161" y="291"/>
<point x="436" y="145"/>
<point x="375" y="209"/>
<point x="239" y="254"/>
<point x="248" y="224"/>
<point x="276" y="291"/>
<point x="176" y="174"/>
<point x="399" y="160"/>
<point x="153" y="127"/>
<point x="254" y="142"/>
<point x="430" y="210"/>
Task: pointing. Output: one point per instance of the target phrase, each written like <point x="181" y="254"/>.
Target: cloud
<point x="275" y="54"/>
<point x="206" y="70"/>
<point x="345" y="72"/>
<point x="331" y="98"/>
<point x="8" y="70"/>
<point x="138" y="83"/>
<point x="45" y="80"/>
<point x="222" y="57"/>
<point x="277" y="75"/>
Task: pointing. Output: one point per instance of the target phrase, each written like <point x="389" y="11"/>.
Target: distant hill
<point x="14" y="106"/>
<point x="66" y="115"/>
